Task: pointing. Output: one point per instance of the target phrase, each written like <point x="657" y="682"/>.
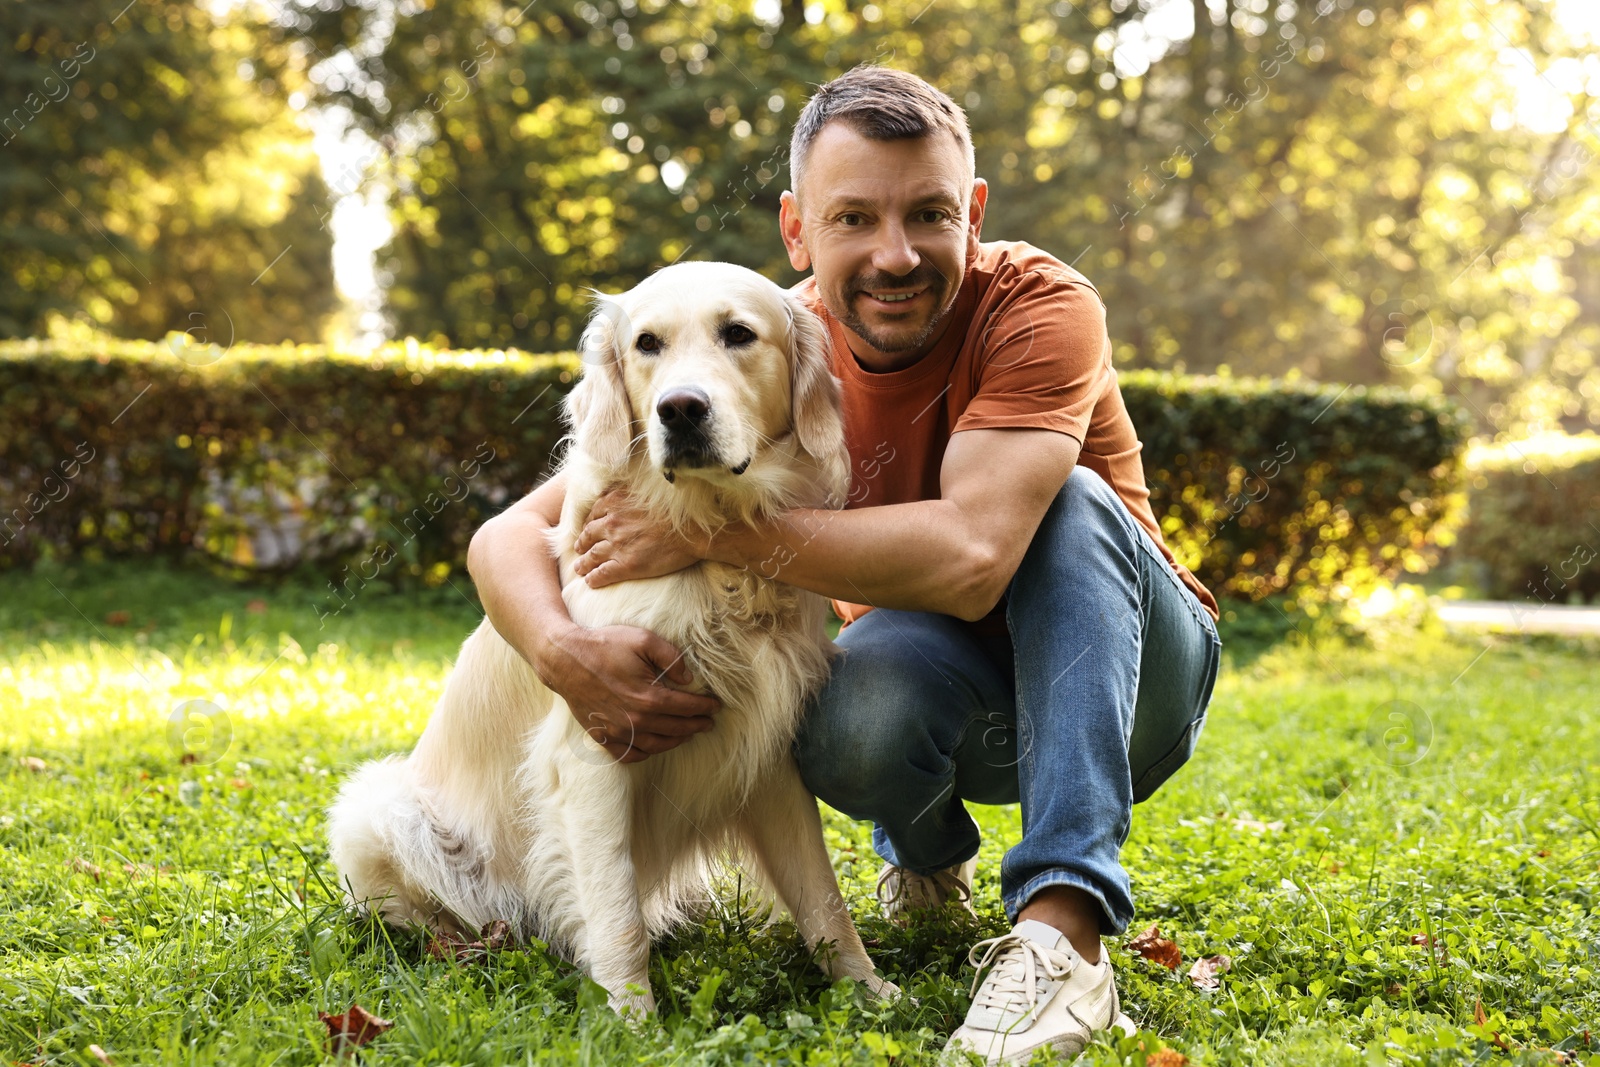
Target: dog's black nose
<point x="683" y="408"/>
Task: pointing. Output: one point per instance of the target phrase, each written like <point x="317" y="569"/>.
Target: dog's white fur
<point x="507" y="808"/>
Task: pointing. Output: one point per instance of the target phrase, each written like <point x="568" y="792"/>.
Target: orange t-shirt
<point x="1027" y="347"/>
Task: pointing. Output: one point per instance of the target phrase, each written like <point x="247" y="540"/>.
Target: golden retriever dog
<point x="707" y="394"/>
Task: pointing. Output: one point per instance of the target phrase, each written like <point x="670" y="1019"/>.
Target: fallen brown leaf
<point x="352" y="1028"/>
<point x="83" y="866"/>
<point x="239" y="783"/>
<point x="187" y="758"/>
<point x="1478" y="1014"/>
<point x="1157" y="949"/>
<point x="99" y="1053"/>
<point x="492" y="938"/>
<point x="1166" y="1058"/>
<point x="139" y="870"/>
<point x="256" y="607"/>
<point x="1434" y="943"/>
<point x="119" y="617"/>
<point x="1207" y="972"/>
<point x="33" y="763"/>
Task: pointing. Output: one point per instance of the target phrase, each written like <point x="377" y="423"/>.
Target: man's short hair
<point x="879" y="103"/>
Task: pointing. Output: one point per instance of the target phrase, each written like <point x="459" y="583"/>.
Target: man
<point x="1017" y="631"/>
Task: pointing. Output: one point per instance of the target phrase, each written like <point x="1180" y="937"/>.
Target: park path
<point x="1525" y="616"/>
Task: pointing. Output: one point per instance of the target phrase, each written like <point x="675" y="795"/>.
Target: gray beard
<point x="883" y="344"/>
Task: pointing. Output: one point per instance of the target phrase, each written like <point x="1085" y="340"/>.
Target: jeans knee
<point x="1085" y="493"/>
<point x="844" y="759"/>
<point x="1086" y="527"/>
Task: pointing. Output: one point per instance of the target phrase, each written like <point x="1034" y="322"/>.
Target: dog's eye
<point x="648" y="342"/>
<point x="737" y="333"/>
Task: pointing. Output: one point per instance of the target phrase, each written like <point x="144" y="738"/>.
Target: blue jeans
<point x="1096" y="698"/>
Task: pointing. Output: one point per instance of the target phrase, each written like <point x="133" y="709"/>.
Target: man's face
<point x="885" y="227"/>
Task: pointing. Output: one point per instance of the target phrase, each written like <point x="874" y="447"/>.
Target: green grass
<point x="1313" y="840"/>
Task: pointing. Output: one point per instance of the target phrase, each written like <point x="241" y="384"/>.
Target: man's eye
<point x="648" y="342"/>
<point x="933" y="214"/>
<point x="737" y="333"/>
<point x="850" y="218"/>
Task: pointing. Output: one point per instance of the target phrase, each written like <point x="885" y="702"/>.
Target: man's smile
<point x="891" y="300"/>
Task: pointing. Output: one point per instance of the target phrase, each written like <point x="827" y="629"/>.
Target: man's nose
<point x="683" y="407"/>
<point x="894" y="254"/>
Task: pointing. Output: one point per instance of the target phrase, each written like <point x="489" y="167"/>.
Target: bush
<point x="260" y="457"/>
<point x="1534" y="517"/>
<point x="1263" y="486"/>
<point x="382" y="467"/>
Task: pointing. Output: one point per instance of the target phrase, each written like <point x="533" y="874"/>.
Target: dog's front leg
<point x="596" y="810"/>
<point x="783" y="831"/>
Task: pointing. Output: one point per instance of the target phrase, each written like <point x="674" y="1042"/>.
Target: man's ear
<point x="794" y="241"/>
<point x="598" y="409"/>
<point x="817" y="413"/>
<point x="975" y="209"/>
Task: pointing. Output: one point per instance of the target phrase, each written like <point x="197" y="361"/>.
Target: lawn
<point x="1396" y="842"/>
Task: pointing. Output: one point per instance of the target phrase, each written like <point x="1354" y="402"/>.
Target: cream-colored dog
<point x="707" y="394"/>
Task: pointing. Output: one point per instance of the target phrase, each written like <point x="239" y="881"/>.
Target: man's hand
<point x="621" y="541"/>
<point x="618" y="682"/>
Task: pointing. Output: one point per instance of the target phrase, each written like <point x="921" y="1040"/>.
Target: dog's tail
<point x="397" y="857"/>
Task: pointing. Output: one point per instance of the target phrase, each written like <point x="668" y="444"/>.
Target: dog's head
<point x="710" y="373"/>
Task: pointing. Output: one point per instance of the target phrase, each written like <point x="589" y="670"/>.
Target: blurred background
<point x="1394" y="193"/>
<point x="1351" y="191"/>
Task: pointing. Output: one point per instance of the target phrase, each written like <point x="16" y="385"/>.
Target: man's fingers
<point x="591" y="534"/>
<point x="667" y="660"/>
<point x="641" y="747"/>
<point x="608" y="573"/>
<point x="664" y="701"/>
<point x="676" y="727"/>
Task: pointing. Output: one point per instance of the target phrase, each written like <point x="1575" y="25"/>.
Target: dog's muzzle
<point x="685" y="414"/>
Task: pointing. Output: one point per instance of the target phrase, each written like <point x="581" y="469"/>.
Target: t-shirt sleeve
<point x="1042" y="361"/>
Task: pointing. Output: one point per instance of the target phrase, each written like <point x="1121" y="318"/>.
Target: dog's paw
<point x="883" y="989"/>
<point x="636" y="1004"/>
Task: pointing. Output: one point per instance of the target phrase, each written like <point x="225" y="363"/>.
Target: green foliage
<point x="378" y="468"/>
<point x="1260" y="486"/>
<point x="151" y="172"/>
<point x="1533" y="509"/>
<point x="1330" y="187"/>
<point x="1315" y="867"/>
<point x="1264" y="486"/>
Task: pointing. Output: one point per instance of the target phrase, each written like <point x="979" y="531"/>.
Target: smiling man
<point x="1016" y="629"/>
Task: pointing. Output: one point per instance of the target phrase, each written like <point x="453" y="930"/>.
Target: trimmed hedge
<point x="381" y="467"/>
<point x="1534" y="518"/>
<point x="1263" y="486"/>
<point x="261" y="456"/>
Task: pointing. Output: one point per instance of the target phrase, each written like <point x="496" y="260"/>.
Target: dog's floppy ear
<point x="818" y="418"/>
<point x="597" y="407"/>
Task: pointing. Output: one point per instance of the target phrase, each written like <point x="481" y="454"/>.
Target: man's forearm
<point x="519" y="582"/>
<point x="920" y="556"/>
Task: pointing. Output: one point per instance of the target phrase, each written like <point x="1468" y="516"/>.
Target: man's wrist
<point x="729" y="545"/>
<point x="552" y="650"/>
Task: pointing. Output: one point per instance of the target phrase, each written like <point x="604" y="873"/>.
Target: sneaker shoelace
<point x="1012" y="986"/>
<point x="920" y="890"/>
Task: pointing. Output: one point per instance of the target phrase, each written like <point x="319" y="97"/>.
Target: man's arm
<point x="954" y="555"/>
<point x="611" y="677"/>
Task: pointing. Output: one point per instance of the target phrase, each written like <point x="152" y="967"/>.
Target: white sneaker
<point x="902" y="892"/>
<point x="1038" y="992"/>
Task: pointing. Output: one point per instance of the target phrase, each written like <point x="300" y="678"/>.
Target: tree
<point x="1323" y="188"/>
<point x="154" y="177"/>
